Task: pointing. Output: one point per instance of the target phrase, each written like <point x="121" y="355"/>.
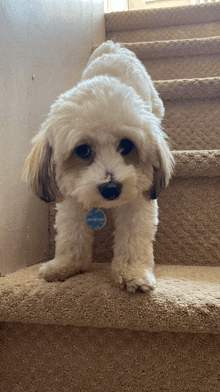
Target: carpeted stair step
<point x="189" y="227"/>
<point x="85" y="334"/>
<point x="187" y="299"/>
<point x="192" y="112"/>
<point x="179" y="59"/>
<point x="186" y="22"/>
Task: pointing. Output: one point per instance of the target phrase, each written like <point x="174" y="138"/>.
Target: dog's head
<point x="101" y="146"/>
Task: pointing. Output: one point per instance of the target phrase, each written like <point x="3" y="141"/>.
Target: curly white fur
<point x="102" y="146"/>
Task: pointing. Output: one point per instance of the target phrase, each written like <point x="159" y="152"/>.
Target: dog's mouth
<point x="110" y="190"/>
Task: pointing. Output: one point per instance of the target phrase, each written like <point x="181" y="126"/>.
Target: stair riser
<point x="202" y="30"/>
<point x="201" y="66"/>
<point x="65" y="358"/>
<point x="193" y="124"/>
<point x="189" y="229"/>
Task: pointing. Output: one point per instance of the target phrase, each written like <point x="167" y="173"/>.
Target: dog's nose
<point x="110" y="190"/>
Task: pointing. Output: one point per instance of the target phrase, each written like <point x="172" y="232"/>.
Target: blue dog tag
<point x="95" y="219"/>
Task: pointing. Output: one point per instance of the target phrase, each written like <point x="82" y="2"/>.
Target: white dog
<point x="102" y="147"/>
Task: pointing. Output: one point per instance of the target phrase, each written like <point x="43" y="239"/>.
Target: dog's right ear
<point x="39" y="170"/>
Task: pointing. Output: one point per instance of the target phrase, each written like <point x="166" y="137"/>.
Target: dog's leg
<point x="73" y="243"/>
<point x="135" y="228"/>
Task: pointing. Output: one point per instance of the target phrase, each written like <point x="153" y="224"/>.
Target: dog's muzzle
<point x="110" y="190"/>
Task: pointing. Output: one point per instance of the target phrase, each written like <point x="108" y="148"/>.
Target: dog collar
<point x="96" y="219"/>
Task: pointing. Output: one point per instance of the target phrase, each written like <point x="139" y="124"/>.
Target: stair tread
<point x="175" y="48"/>
<point x="162" y="17"/>
<point x="187" y="299"/>
<point x="188" y="88"/>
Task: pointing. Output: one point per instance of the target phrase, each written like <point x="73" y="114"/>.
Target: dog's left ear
<point x="158" y="182"/>
<point x="162" y="171"/>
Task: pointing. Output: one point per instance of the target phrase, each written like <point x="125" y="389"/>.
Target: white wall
<point x="45" y="46"/>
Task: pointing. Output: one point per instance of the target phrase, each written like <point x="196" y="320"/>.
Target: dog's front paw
<point x="61" y="268"/>
<point x="51" y="272"/>
<point x="143" y="283"/>
<point x="56" y="269"/>
<point x="133" y="281"/>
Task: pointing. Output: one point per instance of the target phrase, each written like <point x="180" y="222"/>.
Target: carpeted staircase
<point x="84" y="334"/>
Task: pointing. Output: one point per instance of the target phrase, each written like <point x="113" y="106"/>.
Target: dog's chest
<point x="103" y="240"/>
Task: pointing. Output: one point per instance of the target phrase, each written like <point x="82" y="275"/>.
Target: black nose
<point x="110" y="190"/>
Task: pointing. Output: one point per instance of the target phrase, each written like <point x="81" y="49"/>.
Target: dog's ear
<point x="162" y="170"/>
<point x="39" y="170"/>
<point x="158" y="182"/>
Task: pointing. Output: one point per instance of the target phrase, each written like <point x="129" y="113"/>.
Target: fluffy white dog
<point x="102" y="147"/>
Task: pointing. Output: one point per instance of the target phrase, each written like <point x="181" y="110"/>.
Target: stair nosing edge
<point x="184" y="89"/>
<point x="175" y="48"/>
<point x="196" y="163"/>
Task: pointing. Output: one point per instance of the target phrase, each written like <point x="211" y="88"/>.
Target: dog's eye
<point x="125" y="146"/>
<point x="84" y="151"/>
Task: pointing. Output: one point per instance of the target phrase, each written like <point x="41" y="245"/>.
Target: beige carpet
<point x="174" y="16"/>
<point x="179" y="59"/>
<point x="187" y="299"/>
<point x="53" y="358"/>
<point x="84" y="335"/>
<point x="187" y="22"/>
<point x="175" y="48"/>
